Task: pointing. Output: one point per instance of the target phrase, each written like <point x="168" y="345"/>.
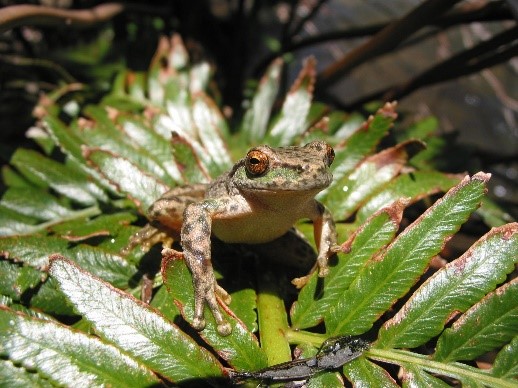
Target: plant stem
<point x="301" y="336"/>
<point x="455" y="369"/>
<point x="273" y="322"/>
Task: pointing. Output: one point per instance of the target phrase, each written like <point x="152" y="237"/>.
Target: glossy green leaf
<point x="362" y="142"/>
<point x="147" y="139"/>
<point x="14" y="376"/>
<point x="141" y="187"/>
<point x="11" y="178"/>
<point x="34" y="251"/>
<point x="133" y="326"/>
<point x="211" y="127"/>
<point x="104" y="134"/>
<point x="240" y="349"/>
<point x="292" y="119"/>
<point x="46" y="172"/>
<point x="415" y="377"/>
<point x="415" y="186"/>
<point x="43" y="206"/>
<point x="64" y="356"/>
<point x="10" y="273"/>
<point x="69" y="142"/>
<point x="455" y="287"/>
<point x="506" y="361"/>
<point x="84" y="228"/>
<point x="385" y="279"/>
<point x="255" y="120"/>
<point x="319" y="295"/>
<point x="364" y="373"/>
<point x="51" y="300"/>
<point x="189" y="164"/>
<point x="13" y="223"/>
<point x="487" y="325"/>
<point x="163" y="302"/>
<point x="348" y="193"/>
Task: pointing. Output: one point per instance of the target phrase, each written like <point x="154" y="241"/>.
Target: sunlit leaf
<point x="255" y="120"/>
<point x="385" y="279"/>
<point x="64" y="356"/>
<point x="240" y="349"/>
<point x="414" y="186"/>
<point x="292" y="120"/>
<point x="506" y="361"/>
<point x="14" y="376"/>
<point x="46" y="172"/>
<point x="455" y="287"/>
<point x="364" y="373"/>
<point x="487" y="325"/>
<point x="315" y="299"/>
<point x="142" y="188"/>
<point x="133" y="326"/>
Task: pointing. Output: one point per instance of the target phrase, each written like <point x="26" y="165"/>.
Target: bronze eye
<point x="330" y="155"/>
<point x="256" y="162"/>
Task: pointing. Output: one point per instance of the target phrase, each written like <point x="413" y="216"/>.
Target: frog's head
<point x="286" y="168"/>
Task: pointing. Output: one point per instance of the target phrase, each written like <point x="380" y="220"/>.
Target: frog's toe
<point x="224" y="328"/>
<point x="222" y="294"/>
<point x="323" y="271"/>
<point x="198" y="323"/>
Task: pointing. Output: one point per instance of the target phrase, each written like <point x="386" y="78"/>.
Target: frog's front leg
<point x="196" y="244"/>
<point x="325" y="236"/>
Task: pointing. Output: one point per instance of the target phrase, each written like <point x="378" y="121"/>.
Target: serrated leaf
<point x="163" y="302"/>
<point x="134" y="327"/>
<point x="415" y="186"/>
<point x="360" y="144"/>
<point x="12" y="223"/>
<point x="85" y="228"/>
<point x="67" y="140"/>
<point x="43" y="206"/>
<point x="103" y="134"/>
<point x="373" y="173"/>
<point x="455" y="287"/>
<point x="148" y="139"/>
<point x="67" y="357"/>
<point x="487" y="325"/>
<point x="10" y="272"/>
<point x="141" y="187"/>
<point x="415" y="377"/>
<point x="211" y="126"/>
<point x="368" y="239"/>
<point x="255" y="120"/>
<point x="385" y="279"/>
<point x="292" y="121"/>
<point x="46" y="172"/>
<point x="240" y="349"/>
<point x="35" y="250"/>
<point x="14" y="376"/>
<point x="506" y="361"/>
<point x="364" y="373"/>
<point x="188" y="162"/>
<point x="51" y="300"/>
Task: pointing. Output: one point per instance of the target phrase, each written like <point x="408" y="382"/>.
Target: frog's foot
<point x="205" y="292"/>
<point x="147" y="237"/>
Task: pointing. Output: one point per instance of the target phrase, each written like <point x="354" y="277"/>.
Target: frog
<point x="257" y="201"/>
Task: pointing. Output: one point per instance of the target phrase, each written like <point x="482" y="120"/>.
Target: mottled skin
<point x="257" y="201"/>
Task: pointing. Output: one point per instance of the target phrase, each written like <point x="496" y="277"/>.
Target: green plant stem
<point x="301" y="336"/>
<point x="455" y="370"/>
<point x="273" y="322"/>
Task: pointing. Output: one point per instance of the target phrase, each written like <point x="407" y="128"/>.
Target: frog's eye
<point x="256" y="162"/>
<point x="330" y="155"/>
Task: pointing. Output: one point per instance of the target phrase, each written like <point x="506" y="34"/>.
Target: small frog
<point x="257" y="201"/>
